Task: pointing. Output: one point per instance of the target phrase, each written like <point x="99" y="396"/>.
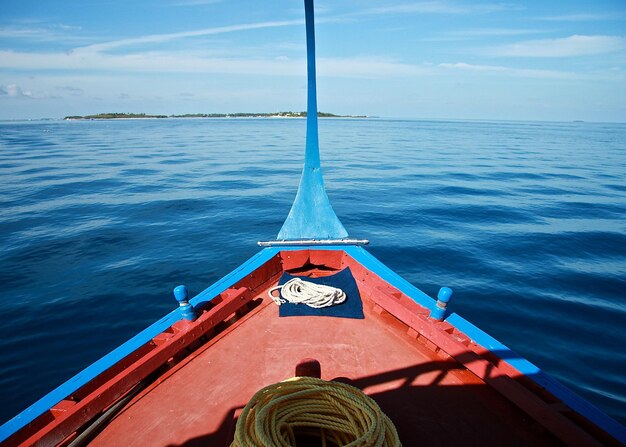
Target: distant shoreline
<point x="109" y="116"/>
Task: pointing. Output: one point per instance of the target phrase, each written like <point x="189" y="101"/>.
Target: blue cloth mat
<point x="352" y="307"/>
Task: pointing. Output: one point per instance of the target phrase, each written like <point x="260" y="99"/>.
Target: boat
<point x="391" y="361"/>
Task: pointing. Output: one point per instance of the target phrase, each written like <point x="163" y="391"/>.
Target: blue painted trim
<point x="236" y="275"/>
<point x="482" y="338"/>
<point x="86" y="375"/>
<point x="567" y="396"/>
<point x="95" y="369"/>
<point x="374" y="265"/>
<point x="581" y="406"/>
<point x="368" y="261"/>
<point x="311" y="215"/>
<point x="186" y="310"/>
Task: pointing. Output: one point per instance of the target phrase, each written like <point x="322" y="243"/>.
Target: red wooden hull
<point x="437" y="385"/>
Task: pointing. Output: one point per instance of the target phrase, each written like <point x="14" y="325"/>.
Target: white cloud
<point x="69" y="27"/>
<point x="39" y="32"/>
<point x="15" y="32"/>
<point x="582" y="17"/>
<point x="194" y="62"/>
<point x="516" y="72"/>
<point x="74" y="91"/>
<point x="575" y="45"/>
<point x="196" y="2"/>
<point x="15" y="91"/>
<point x="473" y="33"/>
<point x="491" y="32"/>
<point x="370" y="67"/>
<point x="158" y="38"/>
<point x="151" y="62"/>
<point x="438" y="7"/>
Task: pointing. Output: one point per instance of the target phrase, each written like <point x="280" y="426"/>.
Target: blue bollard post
<point x="443" y="298"/>
<point x="187" y="311"/>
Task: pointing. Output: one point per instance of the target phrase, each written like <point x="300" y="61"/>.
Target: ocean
<point x="100" y="220"/>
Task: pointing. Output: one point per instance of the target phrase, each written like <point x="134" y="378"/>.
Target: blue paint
<point x="373" y="264"/>
<point x="180" y="293"/>
<point x="236" y="275"/>
<point x="145" y="336"/>
<point x="366" y="259"/>
<point x="480" y="337"/>
<point x="311" y="215"/>
<point x="548" y="382"/>
<point x="443" y="297"/>
<point x="85" y="376"/>
<point x="186" y="310"/>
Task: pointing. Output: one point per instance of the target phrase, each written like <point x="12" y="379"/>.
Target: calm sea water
<point x="99" y="220"/>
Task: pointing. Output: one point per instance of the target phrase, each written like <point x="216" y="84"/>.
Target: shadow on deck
<point x="434" y="414"/>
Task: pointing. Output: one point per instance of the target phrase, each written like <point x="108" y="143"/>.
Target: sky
<point x="557" y="60"/>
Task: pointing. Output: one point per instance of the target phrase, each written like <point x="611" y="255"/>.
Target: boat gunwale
<point x="82" y="378"/>
<point x="367" y="261"/>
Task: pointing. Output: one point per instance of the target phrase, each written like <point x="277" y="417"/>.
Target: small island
<point x="111" y="116"/>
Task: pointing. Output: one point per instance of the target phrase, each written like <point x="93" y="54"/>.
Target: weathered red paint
<point x="396" y="342"/>
<point x="109" y="391"/>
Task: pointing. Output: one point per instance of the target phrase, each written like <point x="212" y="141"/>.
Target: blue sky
<point x="528" y="60"/>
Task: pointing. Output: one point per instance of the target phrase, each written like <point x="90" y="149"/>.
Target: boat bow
<point x="182" y="380"/>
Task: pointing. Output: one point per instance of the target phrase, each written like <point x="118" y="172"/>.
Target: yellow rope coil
<point x="338" y="414"/>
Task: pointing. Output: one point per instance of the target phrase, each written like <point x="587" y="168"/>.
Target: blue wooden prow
<point x="311" y="218"/>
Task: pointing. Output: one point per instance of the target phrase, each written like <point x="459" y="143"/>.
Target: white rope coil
<point x="297" y="291"/>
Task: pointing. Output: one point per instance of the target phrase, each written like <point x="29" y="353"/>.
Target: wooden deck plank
<point x="427" y="396"/>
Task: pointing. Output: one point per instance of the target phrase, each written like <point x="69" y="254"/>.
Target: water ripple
<point x="100" y="220"/>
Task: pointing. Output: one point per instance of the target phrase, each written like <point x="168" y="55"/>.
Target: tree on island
<point x="108" y="116"/>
